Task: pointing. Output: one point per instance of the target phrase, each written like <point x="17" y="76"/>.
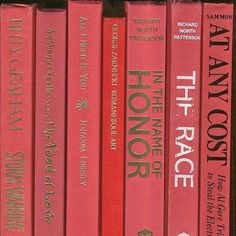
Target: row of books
<point x="116" y="118"/>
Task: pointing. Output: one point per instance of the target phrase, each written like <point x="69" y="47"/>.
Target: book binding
<point x="145" y="119"/>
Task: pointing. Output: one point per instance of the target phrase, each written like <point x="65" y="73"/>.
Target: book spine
<point x="113" y="125"/>
<point x="183" y="78"/>
<point x="83" y="117"/>
<point x="145" y="120"/>
<point x="17" y="119"/>
<point x="216" y="119"/>
<point x="50" y="122"/>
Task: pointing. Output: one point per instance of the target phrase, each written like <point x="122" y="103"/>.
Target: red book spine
<point x="17" y="119"/>
<point x="113" y="126"/>
<point x="50" y="122"/>
<point x="183" y="78"/>
<point x="145" y="120"/>
<point x="83" y="117"/>
<point x="216" y="119"/>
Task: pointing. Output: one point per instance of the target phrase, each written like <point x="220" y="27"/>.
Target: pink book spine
<point x="183" y="78"/>
<point x="83" y="117"/>
<point x="50" y="122"/>
<point x="17" y="140"/>
<point x="216" y="119"/>
<point x="146" y="43"/>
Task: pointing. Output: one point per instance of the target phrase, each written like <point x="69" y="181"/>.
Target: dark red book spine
<point x="216" y="119"/>
<point x="145" y="120"/>
<point x="50" y="122"/>
<point x="17" y="119"/>
<point x="113" y="126"/>
<point x="83" y="117"/>
<point x="183" y="117"/>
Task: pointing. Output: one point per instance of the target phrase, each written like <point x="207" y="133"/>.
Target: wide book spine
<point x="17" y="118"/>
<point x="83" y="117"/>
<point x="183" y="101"/>
<point x="113" y="101"/>
<point x="145" y="119"/>
<point x="216" y="119"/>
<point x="50" y="122"/>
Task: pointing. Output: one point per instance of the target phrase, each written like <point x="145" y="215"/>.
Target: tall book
<point x="216" y="88"/>
<point x="50" y="121"/>
<point x="183" y="117"/>
<point x="17" y="119"/>
<point x="113" y="85"/>
<point x="233" y="137"/>
<point x="83" y="117"/>
<point x="145" y="119"/>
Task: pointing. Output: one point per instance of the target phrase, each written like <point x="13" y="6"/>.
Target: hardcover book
<point x="17" y="119"/>
<point x="50" y="136"/>
<point x="113" y="91"/>
<point x="83" y="117"/>
<point x="145" y="119"/>
<point x="183" y="117"/>
<point x="216" y="119"/>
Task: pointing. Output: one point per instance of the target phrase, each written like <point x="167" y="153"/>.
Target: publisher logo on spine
<point x="145" y="232"/>
<point x="183" y="234"/>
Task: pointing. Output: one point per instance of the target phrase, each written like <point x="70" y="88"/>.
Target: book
<point x="113" y="117"/>
<point x="233" y="137"/>
<point x="217" y="41"/>
<point x="50" y="101"/>
<point x="145" y="117"/>
<point x="17" y="118"/>
<point x="83" y="117"/>
<point x="183" y="117"/>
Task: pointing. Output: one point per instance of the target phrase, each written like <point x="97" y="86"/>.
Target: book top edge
<point x="19" y="5"/>
<point x="51" y="10"/>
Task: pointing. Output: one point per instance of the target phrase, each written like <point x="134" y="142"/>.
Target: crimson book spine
<point x="17" y="119"/>
<point x="183" y="109"/>
<point x="216" y="118"/>
<point x="50" y="122"/>
<point x="83" y="117"/>
<point x="145" y="119"/>
<point x="113" y="92"/>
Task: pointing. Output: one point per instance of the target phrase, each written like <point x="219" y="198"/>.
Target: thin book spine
<point x="83" y="117"/>
<point x="50" y="122"/>
<point x="183" y="117"/>
<point x="145" y="119"/>
<point x="113" y="91"/>
<point x="17" y="118"/>
<point x="216" y="98"/>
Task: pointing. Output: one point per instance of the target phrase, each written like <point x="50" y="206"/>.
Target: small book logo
<point x="145" y="232"/>
<point x="183" y="234"/>
<point x="82" y="104"/>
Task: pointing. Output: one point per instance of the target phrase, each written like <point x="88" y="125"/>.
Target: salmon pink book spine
<point x="17" y="118"/>
<point x="113" y="92"/>
<point x="50" y="122"/>
<point x="145" y="119"/>
<point x="83" y="117"/>
<point x="183" y="117"/>
<point x="216" y="119"/>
